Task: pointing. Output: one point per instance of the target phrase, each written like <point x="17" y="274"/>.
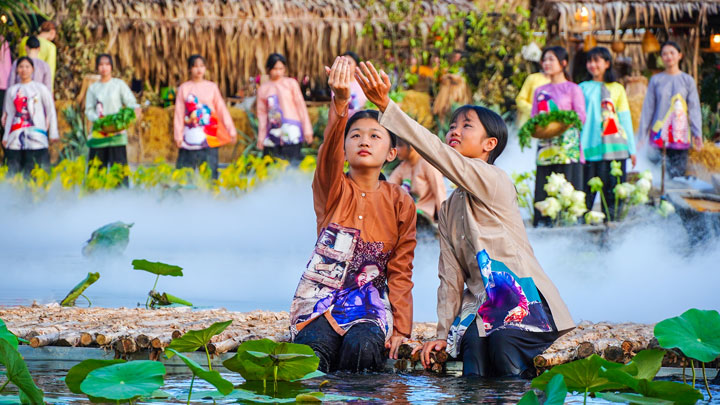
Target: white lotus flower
<point x="522" y="188"/>
<point x="643" y="185"/>
<point x="554" y="182"/>
<point x="594" y="217"/>
<point x="645" y="175"/>
<point x="665" y="209"/>
<point x="550" y="207"/>
<point x="566" y="190"/>
<point x="577" y="210"/>
<point x="623" y="190"/>
<point x="578" y="198"/>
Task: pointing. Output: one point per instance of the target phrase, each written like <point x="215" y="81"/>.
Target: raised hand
<point x="376" y="86"/>
<point x="339" y="80"/>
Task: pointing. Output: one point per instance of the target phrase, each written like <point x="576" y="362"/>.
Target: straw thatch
<point x="154" y="38"/>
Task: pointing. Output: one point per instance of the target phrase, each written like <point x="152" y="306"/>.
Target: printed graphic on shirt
<point x="674" y="127"/>
<point x="562" y="149"/>
<point x="202" y="128"/>
<point x="23" y="133"/>
<point x="281" y="131"/>
<point x="407" y="186"/>
<point x="612" y="132"/>
<point x="345" y="281"/>
<point x="509" y="302"/>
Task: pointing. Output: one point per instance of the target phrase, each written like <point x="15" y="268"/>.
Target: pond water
<point x="410" y="388"/>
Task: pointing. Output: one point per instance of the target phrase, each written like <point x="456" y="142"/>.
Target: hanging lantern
<point x="618" y="46"/>
<point x="589" y="43"/>
<point x="650" y="43"/>
<point x="715" y="42"/>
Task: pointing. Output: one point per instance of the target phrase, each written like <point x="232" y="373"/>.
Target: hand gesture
<point x="376" y="86"/>
<point x="435" y="345"/>
<point x="339" y="80"/>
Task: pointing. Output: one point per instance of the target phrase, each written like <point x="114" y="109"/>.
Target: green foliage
<point x="696" y="333"/>
<point x="112" y="238"/>
<point x="77" y="374"/>
<point x="262" y="360"/>
<point x="115" y="122"/>
<point x="8" y="336"/>
<point x="196" y="339"/>
<point x="124" y="381"/>
<point x="525" y="195"/>
<point x="75" y="140"/>
<point x="72" y="296"/>
<point x="710" y="122"/>
<point x="542" y="120"/>
<point x="159" y="268"/>
<point x="213" y="377"/>
<point x="20" y="15"/>
<point x="165" y="299"/>
<point x="555" y="393"/>
<point x="17" y="373"/>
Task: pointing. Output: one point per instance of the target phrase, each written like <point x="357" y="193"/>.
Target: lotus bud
<point x="549" y="207"/>
<point x="554" y="182"/>
<point x="645" y="174"/>
<point x="665" y="209"/>
<point x="594" y="217"/>
<point x="615" y="169"/>
<point x="643" y="185"/>
<point x="596" y="184"/>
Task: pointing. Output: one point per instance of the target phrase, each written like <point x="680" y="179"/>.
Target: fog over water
<point x="248" y="253"/>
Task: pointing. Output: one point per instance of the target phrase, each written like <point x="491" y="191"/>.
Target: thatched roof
<point x="629" y="14"/>
<point x="235" y="36"/>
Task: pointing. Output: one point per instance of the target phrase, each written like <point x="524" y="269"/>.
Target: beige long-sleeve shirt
<point x="481" y="214"/>
<point x="426" y="184"/>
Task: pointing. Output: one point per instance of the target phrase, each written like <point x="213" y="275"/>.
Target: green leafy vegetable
<point x="69" y="300"/>
<point x="566" y="117"/>
<point x="115" y="122"/>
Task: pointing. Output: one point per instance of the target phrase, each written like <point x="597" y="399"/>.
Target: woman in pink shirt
<point x="202" y="122"/>
<point x="283" y="121"/>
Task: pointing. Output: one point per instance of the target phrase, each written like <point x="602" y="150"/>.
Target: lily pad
<point x="630" y="398"/>
<point x="556" y="391"/>
<point x="110" y="238"/>
<point x="667" y="390"/>
<point x="159" y="268"/>
<point x="581" y="375"/>
<point x="530" y="398"/>
<point x="213" y="377"/>
<point x="196" y="339"/>
<point x="17" y="372"/>
<point x="69" y="300"/>
<point x="124" y="381"/>
<point x="696" y="333"/>
<point x="310" y="398"/>
<point x="76" y="375"/>
<point x="645" y="364"/>
<point x="256" y="360"/>
<point x="7" y="335"/>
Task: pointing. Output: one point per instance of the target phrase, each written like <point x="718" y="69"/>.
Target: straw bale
<point x="417" y="105"/>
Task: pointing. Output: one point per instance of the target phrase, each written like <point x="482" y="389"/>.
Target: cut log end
<point x="585" y="349"/>
<point x="86" y="339"/>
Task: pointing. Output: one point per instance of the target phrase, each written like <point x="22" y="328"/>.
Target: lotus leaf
<point x="76" y="375"/>
<point x="110" y="238"/>
<point x="668" y="390"/>
<point x="311" y="397"/>
<point x="17" y="372"/>
<point x="257" y="360"/>
<point x="166" y="299"/>
<point x="196" y="339"/>
<point x="530" y="398"/>
<point x="69" y="300"/>
<point x="7" y="335"/>
<point x="645" y="364"/>
<point x="213" y="377"/>
<point x="159" y="268"/>
<point x="124" y="381"/>
<point x="696" y="333"/>
<point x="581" y="375"/>
<point x="555" y="393"/>
<point x="630" y="398"/>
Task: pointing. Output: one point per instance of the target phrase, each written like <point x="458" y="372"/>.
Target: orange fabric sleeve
<point x="399" y="268"/>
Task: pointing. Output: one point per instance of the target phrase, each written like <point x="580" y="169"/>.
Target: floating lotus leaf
<point x="17" y="372"/>
<point x="581" y="375"/>
<point x="69" y="300"/>
<point x="196" y="339"/>
<point x="111" y="238"/>
<point x="124" y="381"/>
<point x="256" y="360"/>
<point x="630" y="398"/>
<point x="213" y="377"/>
<point x="76" y="375"/>
<point x="667" y="390"/>
<point x="166" y="299"/>
<point x="696" y="333"/>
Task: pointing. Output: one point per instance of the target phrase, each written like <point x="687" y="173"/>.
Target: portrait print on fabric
<point x="280" y="130"/>
<point x="24" y="134"/>
<point x="202" y="128"/>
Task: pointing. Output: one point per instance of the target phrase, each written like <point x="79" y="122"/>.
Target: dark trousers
<point x="573" y="173"/>
<point x="503" y="353"/>
<point x="675" y="164"/>
<point x="194" y="158"/>
<point x="360" y="349"/>
<point x="293" y="153"/>
<point x="602" y="169"/>
<point x="24" y="161"/>
<point x="108" y="156"/>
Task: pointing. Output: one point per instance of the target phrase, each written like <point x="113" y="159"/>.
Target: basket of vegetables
<point x="548" y="125"/>
<point x="117" y="122"/>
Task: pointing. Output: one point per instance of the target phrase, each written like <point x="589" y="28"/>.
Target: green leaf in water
<point x="69" y="300"/>
<point x="159" y="268"/>
<point x="312" y="397"/>
<point x="581" y="375"/>
<point x="556" y="391"/>
<point x="696" y="333"/>
<point x="124" y="381"/>
<point x="165" y="299"/>
<point x="631" y="398"/>
<point x="76" y="375"/>
<point x="530" y="398"/>
<point x="110" y="238"/>
<point x="17" y="372"/>
<point x="667" y="390"/>
<point x="196" y="339"/>
<point x="7" y="335"/>
<point x="213" y="377"/>
<point x="256" y="360"/>
<point x="645" y="364"/>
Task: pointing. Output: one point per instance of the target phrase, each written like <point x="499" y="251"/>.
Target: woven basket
<point x="552" y="130"/>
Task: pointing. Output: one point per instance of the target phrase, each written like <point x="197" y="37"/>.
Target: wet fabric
<point x="202" y="119"/>
<point x="194" y="158"/>
<point x="482" y="214"/>
<point x="361" y="348"/>
<point x="565" y="148"/>
<point x="31" y="117"/>
<point x="360" y="270"/>
<point x="573" y="173"/>
<point x="24" y="161"/>
<point x="104" y="99"/>
<point x="602" y="169"/>
<point x="282" y="114"/>
<point x="671" y="111"/>
<point x="608" y="132"/>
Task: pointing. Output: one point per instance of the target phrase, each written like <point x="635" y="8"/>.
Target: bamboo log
<point x="44" y="340"/>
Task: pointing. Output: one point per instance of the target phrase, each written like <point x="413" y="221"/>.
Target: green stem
<point x="88" y="300"/>
<point x="692" y="365"/>
<point x="190" y="393"/>
<point x="208" y="357"/>
<point x="147" y="302"/>
<point x="707" y="388"/>
<point x="4" y="385"/>
<point x="604" y="203"/>
<point x="275" y="370"/>
<point x="585" y="397"/>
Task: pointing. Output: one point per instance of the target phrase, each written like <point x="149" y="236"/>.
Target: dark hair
<point x="561" y="55"/>
<point x="24" y="58"/>
<point x="372" y="114"/>
<point x="194" y="58"/>
<point x="670" y="43"/>
<point x="353" y="55"/>
<point x="99" y="58"/>
<point x="273" y="59"/>
<point x="600" y="52"/>
<point x="32" y="42"/>
<point x="494" y="126"/>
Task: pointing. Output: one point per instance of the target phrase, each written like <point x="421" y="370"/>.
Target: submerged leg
<point x="323" y="339"/>
<point x="362" y="348"/>
<point x="474" y="353"/>
<point x="512" y="351"/>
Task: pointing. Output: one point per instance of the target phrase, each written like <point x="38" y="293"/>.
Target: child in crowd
<point x="422" y="181"/>
<point x="608" y="132"/>
<point x="202" y="121"/>
<point x="354" y="298"/>
<point x="510" y="311"/>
